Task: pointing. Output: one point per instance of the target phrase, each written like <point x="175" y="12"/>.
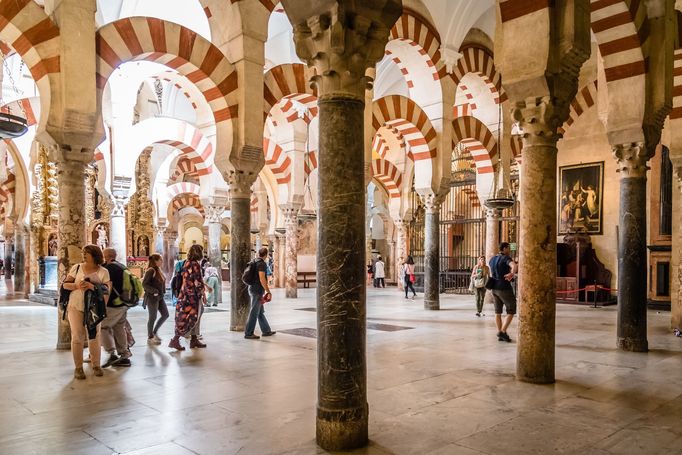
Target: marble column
<point x="537" y="261"/>
<point x="9" y="253"/>
<point x="272" y="246"/>
<point x="169" y="253"/>
<point x="290" y="213"/>
<point x="159" y="232"/>
<point x="676" y="254"/>
<point x="281" y="259"/>
<point x="432" y="204"/>
<point x="341" y="43"/>
<point x="117" y="229"/>
<point x="214" y="214"/>
<point x="20" y="259"/>
<point x="492" y="232"/>
<point x="390" y="260"/>
<point x="400" y="248"/>
<point x="240" y="248"/>
<point x="71" y="230"/>
<point x="632" y="257"/>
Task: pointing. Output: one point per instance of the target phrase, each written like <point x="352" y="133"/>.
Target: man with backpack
<point x="125" y="293"/>
<point x="255" y="277"/>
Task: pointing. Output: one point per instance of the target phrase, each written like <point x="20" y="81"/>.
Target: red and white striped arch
<point x="184" y="201"/>
<point x="184" y="167"/>
<point x="282" y="81"/>
<point x="404" y="69"/>
<point x="184" y="194"/>
<point x="584" y="99"/>
<point x="31" y="106"/>
<point x="416" y="30"/>
<point x="29" y="31"/>
<point x="478" y="140"/>
<point x="676" y="112"/>
<point x="277" y="161"/>
<point x="379" y="145"/>
<point x="288" y="108"/>
<point x="195" y="146"/>
<point x="310" y="162"/>
<point x="182" y="188"/>
<point x="389" y="176"/>
<point x="155" y="40"/>
<point x="192" y="93"/>
<point x="478" y="60"/>
<point x="7" y="190"/>
<point x="404" y="116"/>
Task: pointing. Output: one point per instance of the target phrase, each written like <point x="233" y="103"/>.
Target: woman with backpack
<point x="189" y="306"/>
<point x="81" y="278"/>
<point x="154" y="289"/>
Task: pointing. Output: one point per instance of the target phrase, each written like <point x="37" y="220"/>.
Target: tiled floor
<point x="443" y="386"/>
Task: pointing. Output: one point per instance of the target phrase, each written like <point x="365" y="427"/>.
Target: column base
<point x="536" y="380"/>
<point x="237" y="328"/>
<point x="345" y="429"/>
<point x="63" y="346"/>
<point x="431" y="304"/>
<point x="633" y="344"/>
<point x="291" y="293"/>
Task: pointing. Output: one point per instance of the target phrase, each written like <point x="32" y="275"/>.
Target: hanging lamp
<point x="500" y="198"/>
<point x="11" y="126"/>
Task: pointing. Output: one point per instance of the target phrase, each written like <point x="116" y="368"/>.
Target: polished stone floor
<point x="439" y="383"/>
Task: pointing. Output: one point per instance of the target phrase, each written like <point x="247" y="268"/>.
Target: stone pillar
<point x="432" y="204"/>
<point x="20" y="259"/>
<point x="117" y="229"/>
<point x="272" y="246"/>
<point x="240" y="248"/>
<point x="390" y="260"/>
<point x="213" y="216"/>
<point x="341" y="43"/>
<point x="537" y="232"/>
<point x="169" y="253"/>
<point x="400" y="247"/>
<point x="290" y="213"/>
<point x="159" y="232"/>
<point x="9" y="254"/>
<point x="281" y="259"/>
<point x="676" y="255"/>
<point x="492" y="232"/>
<point x="632" y="258"/>
<point x="71" y="230"/>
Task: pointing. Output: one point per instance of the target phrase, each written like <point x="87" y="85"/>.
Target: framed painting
<point x="581" y="194"/>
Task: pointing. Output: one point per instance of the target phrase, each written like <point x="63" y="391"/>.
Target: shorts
<point x="504" y="298"/>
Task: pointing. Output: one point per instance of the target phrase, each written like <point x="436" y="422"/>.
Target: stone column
<point x="20" y="259"/>
<point x="169" y="253"/>
<point x="159" y="232"/>
<point x="213" y="216"/>
<point x="537" y="232"/>
<point x="390" y="260"/>
<point x="71" y="230"/>
<point x="290" y="213"/>
<point x="400" y="247"/>
<point x="676" y="255"/>
<point x="341" y="43"/>
<point x="272" y="246"/>
<point x="632" y="258"/>
<point x="432" y="204"/>
<point x="9" y="255"/>
<point x="117" y="229"/>
<point x="240" y="248"/>
<point x="492" y="232"/>
<point x="281" y="259"/>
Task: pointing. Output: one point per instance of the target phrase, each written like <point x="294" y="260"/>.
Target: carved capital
<point x="214" y="213"/>
<point x="290" y="213"/>
<point x="432" y="201"/>
<point x="632" y="159"/>
<point x="493" y="214"/>
<point x="538" y="120"/>
<point x="341" y="39"/>
<point x="240" y="183"/>
<point x="170" y="236"/>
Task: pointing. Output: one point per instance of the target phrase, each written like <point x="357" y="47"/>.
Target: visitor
<point x="370" y="273"/>
<point x="114" y="336"/>
<point x="408" y="276"/>
<point x="503" y="270"/>
<point x="379" y="272"/>
<point x="479" y="276"/>
<point x="154" y="289"/>
<point x="212" y="286"/>
<point x="189" y="306"/>
<point x="83" y="277"/>
<point x="259" y="293"/>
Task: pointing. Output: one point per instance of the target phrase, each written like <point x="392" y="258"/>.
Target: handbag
<point x="411" y="277"/>
<point x="479" y="282"/>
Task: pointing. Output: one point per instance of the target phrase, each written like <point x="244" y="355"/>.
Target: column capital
<point x="341" y="39"/>
<point x="432" y="201"/>
<point x="240" y="183"/>
<point x="214" y="213"/>
<point x="170" y="236"/>
<point x="493" y="214"/>
<point x="290" y="212"/>
<point x="631" y="159"/>
<point x="538" y="119"/>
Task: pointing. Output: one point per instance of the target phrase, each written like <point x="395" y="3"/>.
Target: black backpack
<point x="250" y="275"/>
<point x="176" y="283"/>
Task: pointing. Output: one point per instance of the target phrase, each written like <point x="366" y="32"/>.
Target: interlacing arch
<point x="478" y="140"/>
<point x="277" y="161"/>
<point x="155" y="40"/>
<point x="403" y="115"/>
<point x="584" y="99"/>
<point x="182" y="195"/>
<point x="184" y="167"/>
<point x="478" y="60"/>
<point x="416" y="30"/>
<point x="290" y="107"/>
<point x="388" y="175"/>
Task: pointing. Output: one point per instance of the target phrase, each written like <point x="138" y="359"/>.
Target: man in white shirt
<point x="379" y="272"/>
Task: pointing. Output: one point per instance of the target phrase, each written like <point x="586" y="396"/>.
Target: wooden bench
<point x="306" y="278"/>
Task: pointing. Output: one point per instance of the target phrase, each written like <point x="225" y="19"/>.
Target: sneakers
<point x="112" y="358"/>
<point x="196" y="343"/>
<point x="252" y="337"/>
<point x="502" y="336"/>
<point x="153" y="341"/>
<point x="78" y="373"/>
<point x="121" y="362"/>
<point x="98" y="371"/>
<point x="175" y="344"/>
<point x="269" y="334"/>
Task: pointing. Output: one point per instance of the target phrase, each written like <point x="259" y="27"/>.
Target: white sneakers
<point x="155" y="340"/>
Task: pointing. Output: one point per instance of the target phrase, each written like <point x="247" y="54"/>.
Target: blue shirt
<point x="499" y="267"/>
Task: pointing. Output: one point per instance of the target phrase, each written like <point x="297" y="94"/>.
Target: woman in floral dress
<point x="190" y="302"/>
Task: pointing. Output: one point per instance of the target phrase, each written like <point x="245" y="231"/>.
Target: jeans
<point x="256" y="314"/>
<point x="113" y="331"/>
<point x="155" y="305"/>
<point x="480" y="298"/>
<point x="408" y="286"/>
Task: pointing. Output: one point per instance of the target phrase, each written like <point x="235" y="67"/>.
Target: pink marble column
<point x="290" y="213"/>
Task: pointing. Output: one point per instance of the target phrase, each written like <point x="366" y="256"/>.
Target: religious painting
<point x="581" y="189"/>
